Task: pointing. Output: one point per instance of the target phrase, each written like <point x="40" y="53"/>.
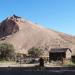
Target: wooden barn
<point x="59" y="54"/>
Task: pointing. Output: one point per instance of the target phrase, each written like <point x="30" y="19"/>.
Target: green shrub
<point x="6" y="51"/>
<point x="35" y="52"/>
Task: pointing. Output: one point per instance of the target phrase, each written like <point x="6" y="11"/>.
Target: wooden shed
<point x="60" y="53"/>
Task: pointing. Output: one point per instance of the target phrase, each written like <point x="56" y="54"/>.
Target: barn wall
<point x="68" y="54"/>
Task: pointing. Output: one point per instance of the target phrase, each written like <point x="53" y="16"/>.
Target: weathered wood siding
<point x="68" y="54"/>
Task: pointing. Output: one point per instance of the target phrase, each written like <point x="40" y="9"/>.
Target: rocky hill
<point x="24" y="35"/>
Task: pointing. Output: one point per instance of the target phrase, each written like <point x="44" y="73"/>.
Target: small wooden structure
<point x="60" y="54"/>
<point x="73" y="58"/>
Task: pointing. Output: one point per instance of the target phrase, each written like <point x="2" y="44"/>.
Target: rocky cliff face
<point x="27" y="35"/>
<point x="9" y="26"/>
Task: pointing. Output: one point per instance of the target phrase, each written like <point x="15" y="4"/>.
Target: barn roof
<point x="53" y="50"/>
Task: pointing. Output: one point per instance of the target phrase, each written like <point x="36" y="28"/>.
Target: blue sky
<point x="55" y="14"/>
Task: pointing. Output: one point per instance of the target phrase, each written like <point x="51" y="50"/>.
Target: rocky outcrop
<point x="9" y="26"/>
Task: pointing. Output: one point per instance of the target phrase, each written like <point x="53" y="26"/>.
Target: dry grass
<point x="69" y="64"/>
